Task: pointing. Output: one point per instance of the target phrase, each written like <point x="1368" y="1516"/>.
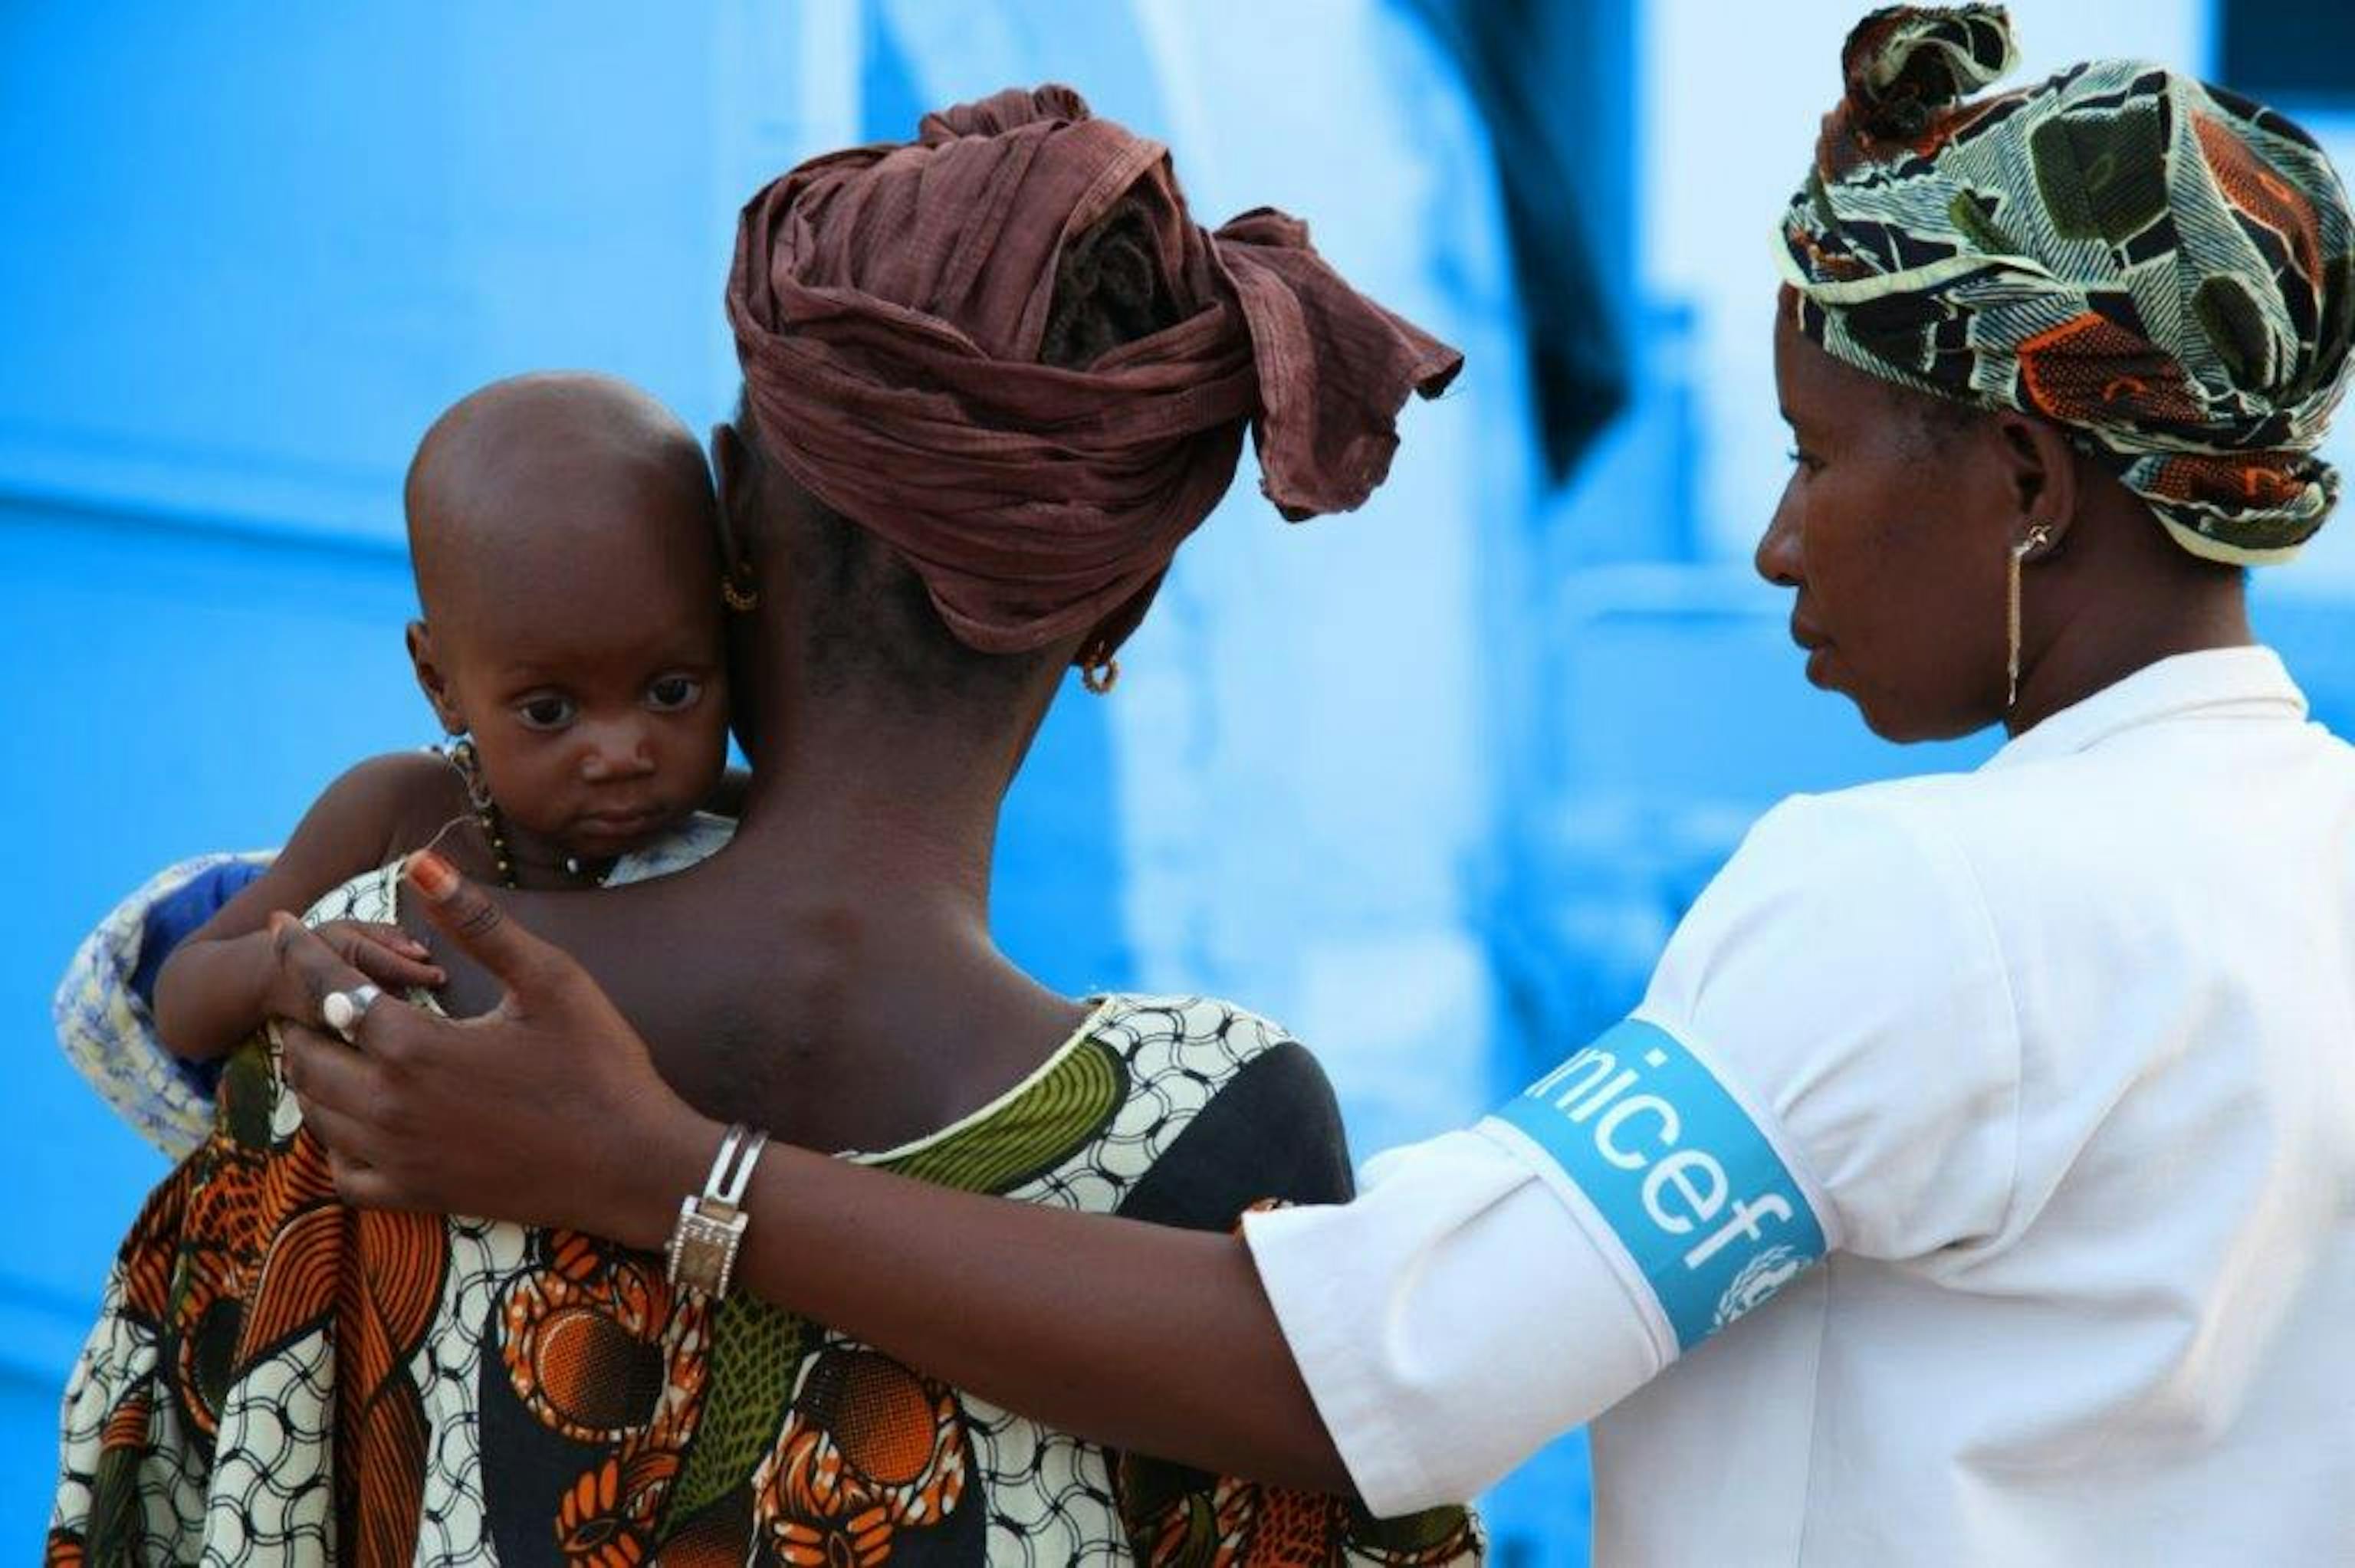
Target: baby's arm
<point x="215" y="988"/>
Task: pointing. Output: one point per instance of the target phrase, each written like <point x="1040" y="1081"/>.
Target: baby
<point x="562" y="531"/>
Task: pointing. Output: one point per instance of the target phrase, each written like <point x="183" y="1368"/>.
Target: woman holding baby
<point x="1032" y="399"/>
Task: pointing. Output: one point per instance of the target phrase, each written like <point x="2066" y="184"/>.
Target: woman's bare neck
<point x="830" y="973"/>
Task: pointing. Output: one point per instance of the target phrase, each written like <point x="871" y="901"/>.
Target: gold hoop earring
<point x="2038" y="537"/>
<point x="739" y="589"/>
<point x="1099" y="670"/>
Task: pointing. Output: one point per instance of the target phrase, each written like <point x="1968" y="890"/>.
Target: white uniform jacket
<point x="2012" y="1114"/>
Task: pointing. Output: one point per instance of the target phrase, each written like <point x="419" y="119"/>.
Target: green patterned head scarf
<point x="2160" y="267"/>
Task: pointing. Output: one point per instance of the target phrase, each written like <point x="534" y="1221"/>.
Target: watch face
<point x="703" y="1247"/>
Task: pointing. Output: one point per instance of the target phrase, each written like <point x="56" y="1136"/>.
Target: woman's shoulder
<point x="1232" y="1111"/>
<point x="1888" y="843"/>
<point x="1205" y="1039"/>
<point x="1920" y="800"/>
<point x="1874" y="892"/>
<point x="1845" y="864"/>
<point x="1202" y="1022"/>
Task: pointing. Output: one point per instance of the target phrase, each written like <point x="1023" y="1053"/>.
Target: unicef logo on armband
<point x="1688" y="1185"/>
<point x="1760" y="1277"/>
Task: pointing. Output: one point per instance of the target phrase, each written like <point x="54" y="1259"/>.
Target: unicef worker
<point x="1975" y="1183"/>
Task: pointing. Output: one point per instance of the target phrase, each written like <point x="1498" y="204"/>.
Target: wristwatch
<point x="710" y="1229"/>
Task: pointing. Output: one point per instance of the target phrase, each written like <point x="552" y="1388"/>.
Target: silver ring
<point x="344" y="1008"/>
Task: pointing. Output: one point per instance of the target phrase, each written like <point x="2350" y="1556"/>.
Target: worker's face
<point x="1895" y="533"/>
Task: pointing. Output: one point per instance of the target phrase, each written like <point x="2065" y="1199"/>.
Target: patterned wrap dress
<point x="276" y="1378"/>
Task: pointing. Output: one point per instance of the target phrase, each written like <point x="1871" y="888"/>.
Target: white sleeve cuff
<point x="1451" y="1320"/>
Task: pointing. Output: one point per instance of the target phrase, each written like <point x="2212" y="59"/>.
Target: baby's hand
<point x="386" y="954"/>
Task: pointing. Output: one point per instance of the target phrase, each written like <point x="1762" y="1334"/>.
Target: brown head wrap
<point x="889" y="303"/>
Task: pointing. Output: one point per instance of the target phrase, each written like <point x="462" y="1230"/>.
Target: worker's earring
<point x="2038" y="537"/>
<point x="1099" y="670"/>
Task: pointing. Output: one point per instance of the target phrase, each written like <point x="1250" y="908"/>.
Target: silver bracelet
<point x="711" y="1230"/>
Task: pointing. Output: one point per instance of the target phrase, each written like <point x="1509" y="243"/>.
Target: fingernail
<point x="432" y="876"/>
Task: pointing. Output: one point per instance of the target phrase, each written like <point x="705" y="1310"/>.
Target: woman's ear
<point x="432" y="682"/>
<point x="732" y="470"/>
<point x="2042" y="474"/>
<point x="726" y="453"/>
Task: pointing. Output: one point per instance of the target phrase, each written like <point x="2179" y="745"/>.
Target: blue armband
<point x="1693" y="1190"/>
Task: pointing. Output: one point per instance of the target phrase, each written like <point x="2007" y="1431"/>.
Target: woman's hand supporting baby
<point x="417" y="1109"/>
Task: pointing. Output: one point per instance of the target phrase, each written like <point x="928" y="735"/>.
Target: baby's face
<point x="597" y="698"/>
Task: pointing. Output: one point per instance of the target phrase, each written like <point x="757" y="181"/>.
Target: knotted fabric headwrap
<point x="890" y="303"/>
<point x="2160" y="267"/>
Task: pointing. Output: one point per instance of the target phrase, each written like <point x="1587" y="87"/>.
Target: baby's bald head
<point x="547" y="486"/>
<point x="562" y="531"/>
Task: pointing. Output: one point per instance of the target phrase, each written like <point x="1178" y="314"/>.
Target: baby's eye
<point x="1801" y="458"/>
<point x="673" y="693"/>
<point x="545" y="713"/>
